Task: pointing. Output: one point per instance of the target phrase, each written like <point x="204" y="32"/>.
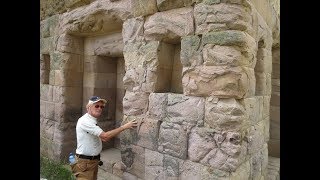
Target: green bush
<point x="52" y="170"/>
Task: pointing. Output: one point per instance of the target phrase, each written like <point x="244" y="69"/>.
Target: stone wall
<point x="196" y="74"/>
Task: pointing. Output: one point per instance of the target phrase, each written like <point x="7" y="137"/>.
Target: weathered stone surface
<point x="157" y="105"/>
<point x="47" y="128"/>
<point x="97" y="18"/>
<point x="132" y="30"/>
<point x="242" y="172"/>
<point x="264" y="61"/>
<point x="222" y="16"/>
<point x="48" y="27"/>
<point x="273" y="168"/>
<point x="148" y="133"/>
<point x="266" y="107"/>
<point x="46" y="92"/>
<point x="70" y="44"/>
<point x="110" y="45"/>
<point x="148" y="66"/>
<point x="66" y="112"/>
<point x="225" y="114"/>
<point x="191" y="51"/>
<point x="259" y="163"/>
<point x="215" y="55"/>
<point x="263" y="84"/>
<point x="188" y="117"/>
<point x="66" y="61"/>
<point x="191" y="171"/>
<point x="254" y="109"/>
<point x="264" y="34"/>
<point x="67" y="78"/>
<point x="135" y="103"/>
<point x="169" y="26"/>
<point x="100" y="65"/>
<point x="230" y="38"/>
<point x="138" y="165"/>
<point x="173" y="140"/>
<point x="143" y="7"/>
<point x="164" y="5"/>
<point x="255" y="137"/>
<point x="225" y="151"/>
<point x="219" y="81"/>
<point x="141" y="54"/>
<point x="139" y="79"/>
<point x="154" y="165"/>
<point x="47" y="45"/>
<point x="171" y="167"/>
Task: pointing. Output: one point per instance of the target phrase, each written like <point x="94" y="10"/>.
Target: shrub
<point x="52" y="170"/>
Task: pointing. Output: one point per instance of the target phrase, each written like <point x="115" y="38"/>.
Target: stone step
<point x="112" y="168"/>
<point x="273" y="168"/>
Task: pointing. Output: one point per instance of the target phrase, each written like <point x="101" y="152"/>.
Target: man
<point x="89" y="139"/>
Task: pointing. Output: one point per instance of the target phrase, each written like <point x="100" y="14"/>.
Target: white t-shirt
<point x="88" y="141"/>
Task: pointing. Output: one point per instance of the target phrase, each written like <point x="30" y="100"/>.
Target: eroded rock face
<point x="221" y="150"/>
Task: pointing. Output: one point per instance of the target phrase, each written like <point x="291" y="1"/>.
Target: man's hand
<point x="106" y="136"/>
<point x="130" y="124"/>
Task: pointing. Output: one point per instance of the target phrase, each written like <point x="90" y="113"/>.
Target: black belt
<point x="88" y="157"/>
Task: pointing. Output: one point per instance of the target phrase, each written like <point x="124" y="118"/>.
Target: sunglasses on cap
<point x="97" y="106"/>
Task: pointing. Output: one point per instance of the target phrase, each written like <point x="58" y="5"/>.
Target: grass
<point x="52" y="170"/>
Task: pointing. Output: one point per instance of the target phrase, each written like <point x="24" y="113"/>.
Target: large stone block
<point x="191" y="51"/>
<point x="49" y="26"/>
<point x="68" y="78"/>
<point x="66" y="61"/>
<point x="110" y="45"/>
<point x="219" y="81"/>
<point x="216" y="55"/>
<point x="254" y="108"/>
<point x="148" y="133"/>
<point x="170" y="25"/>
<point x="99" y="64"/>
<point x="230" y="38"/>
<point x="224" y="151"/>
<point x="47" y="45"/>
<point x="143" y="7"/>
<point x="264" y="61"/>
<point x="154" y="165"/>
<point x="222" y="16"/>
<point x="148" y="66"/>
<point x="225" y="114"/>
<point x="132" y="30"/>
<point x="164" y="5"/>
<point x="98" y="18"/>
<point x="171" y="167"/>
<point x="188" y="117"/>
<point x="47" y="128"/>
<point x="158" y="105"/>
<point x="255" y="137"/>
<point x="138" y="165"/>
<point x="173" y="140"/>
<point x="193" y="171"/>
<point x="46" y="92"/>
<point x="135" y="103"/>
<point x="263" y="84"/>
<point x="66" y="112"/>
<point x="141" y="54"/>
<point x="259" y="163"/>
<point x="100" y="80"/>
<point x="70" y="44"/>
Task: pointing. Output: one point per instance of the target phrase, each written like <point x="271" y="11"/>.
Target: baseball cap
<point x="94" y="99"/>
